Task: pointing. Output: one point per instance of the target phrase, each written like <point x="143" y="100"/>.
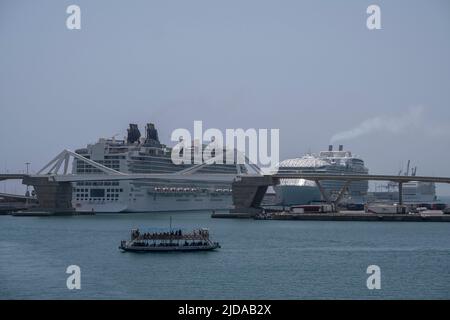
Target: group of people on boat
<point x="154" y="244"/>
<point x="173" y="234"/>
<point x="167" y="244"/>
<point x="152" y="235"/>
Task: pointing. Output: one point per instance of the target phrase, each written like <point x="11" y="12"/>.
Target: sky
<point x="309" y="68"/>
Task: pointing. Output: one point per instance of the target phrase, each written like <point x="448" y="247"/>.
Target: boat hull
<point x="169" y="249"/>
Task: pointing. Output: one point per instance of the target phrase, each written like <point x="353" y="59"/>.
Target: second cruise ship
<point x="301" y="191"/>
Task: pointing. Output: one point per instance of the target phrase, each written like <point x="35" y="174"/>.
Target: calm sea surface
<point x="258" y="259"/>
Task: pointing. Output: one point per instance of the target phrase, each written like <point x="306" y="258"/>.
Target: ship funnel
<point x="341" y="147"/>
<point x="151" y="135"/>
<point x="133" y="133"/>
<point x="151" y="132"/>
<point x="330" y="147"/>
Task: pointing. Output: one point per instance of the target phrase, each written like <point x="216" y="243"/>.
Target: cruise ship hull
<point x="164" y="203"/>
<point x="296" y="195"/>
<point x="158" y="203"/>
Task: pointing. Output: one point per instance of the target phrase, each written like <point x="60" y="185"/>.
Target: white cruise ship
<point x="301" y="191"/>
<point x="146" y="155"/>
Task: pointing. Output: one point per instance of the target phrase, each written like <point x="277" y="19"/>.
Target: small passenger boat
<point x="173" y="240"/>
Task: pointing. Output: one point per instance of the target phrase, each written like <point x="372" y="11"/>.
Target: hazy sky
<point x="310" y="68"/>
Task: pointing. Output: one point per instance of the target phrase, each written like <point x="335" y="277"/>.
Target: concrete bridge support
<point x="52" y="196"/>
<point x="400" y="193"/>
<point x="248" y="193"/>
<point x="323" y="192"/>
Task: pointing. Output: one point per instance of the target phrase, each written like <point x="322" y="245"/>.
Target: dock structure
<point x="13" y="203"/>
<point x="53" y="196"/>
<point x="338" y="216"/>
<point x="252" y="186"/>
<point x="358" y="216"/>
<point x="248" y="192"/>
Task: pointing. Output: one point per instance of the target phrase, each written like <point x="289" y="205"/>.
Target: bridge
<point x="248" y="191"/>
<point x="15" y="197"/>
<point x="355" y="177"/>
<point x="53" y="183"/>
<point x="13" y="176"/>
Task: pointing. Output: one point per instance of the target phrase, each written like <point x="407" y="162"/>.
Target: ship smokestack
<point x="341" y="147"/>
<point x="151" y="132"/>
<point x="151" y="136"/>
<point x="133" y="133"/>
<point x="330" y="147"/>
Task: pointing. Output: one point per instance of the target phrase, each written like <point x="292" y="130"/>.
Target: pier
<point x="247" y="189"/>
<point x="13" y="203"/>
<point x="339" y="216"/>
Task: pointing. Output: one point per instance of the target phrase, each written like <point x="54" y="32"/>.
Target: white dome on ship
<point x="307" y="161"/>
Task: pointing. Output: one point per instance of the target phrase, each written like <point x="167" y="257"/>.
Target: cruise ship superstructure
<point x="144" y="155"/>
<point x="301" y="191"/>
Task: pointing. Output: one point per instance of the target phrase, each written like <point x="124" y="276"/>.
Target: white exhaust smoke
<point x="393" y="125"/>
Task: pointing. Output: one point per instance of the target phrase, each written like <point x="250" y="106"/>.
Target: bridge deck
<point x="227" y="177"/>
<point x="12" y="176"/>
<point x="354" y="177"/>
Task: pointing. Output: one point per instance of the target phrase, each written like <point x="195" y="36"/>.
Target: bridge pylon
<point x="62" y="161"/>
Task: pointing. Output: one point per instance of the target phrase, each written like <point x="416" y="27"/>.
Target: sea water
<point x="258" y="259"/>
